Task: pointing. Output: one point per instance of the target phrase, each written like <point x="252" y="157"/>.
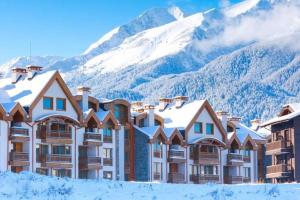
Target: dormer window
<point x="48" y="103"/>
<point x="61" y="104"/>
<point x="209" y="129"/>
<point x="198" y="127"/>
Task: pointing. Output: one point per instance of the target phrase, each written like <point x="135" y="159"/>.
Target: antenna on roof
<point x="29" y="51"/>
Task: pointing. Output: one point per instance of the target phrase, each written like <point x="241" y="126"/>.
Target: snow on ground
<point x="32" y="186"/>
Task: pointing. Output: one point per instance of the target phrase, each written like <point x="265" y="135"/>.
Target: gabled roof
<point x="28" y="92"/>
<point x="184" y="117"/>
<point x="152" y="132"/>
<point x="171" y="133"/>
<point x="104" y="116"/>
<point x="295" y="112"/>
<point x="179" y="117"/>
<point x="243" y="132"/>
<point x="89" y="115"/>
<point x="18" y="108"/>
<point x="233" y="137"/>
<point x="24" y="91"/>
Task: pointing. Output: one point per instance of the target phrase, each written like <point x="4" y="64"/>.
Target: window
<point x="48" y="103"/>
<point x="142" y="123"/>
<point x="194" y="169"/>
<point x="60" y="104"/>
<point x="107" y="132"/>
<point x="157" y="149"/>
<point x="209" y="129"/>
<point x="209" y="169"/>
<point x="247" y="152"/>
<point x="157" y="171"/>
<point x="107" y="153"/>
<point x="247" y="172"/>
<point x="198" y="127"/>
<point x="61" y="172"/>
<point x="41" y="171"/>
<point x="61" y="150"/>
<point x="107" y="175"/>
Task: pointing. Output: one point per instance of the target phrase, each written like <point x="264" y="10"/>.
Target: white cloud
<point x="280" y="21"/>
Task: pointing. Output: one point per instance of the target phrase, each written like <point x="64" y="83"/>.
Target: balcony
<point x="278" y="147"/>
<point x="107" y="161"/>
<point x="233" y="179"/>
<point x="234" y="159"/>
<point x="56" y="137"/>
<point x="57" y="161"/>
<point x="211" y="158"/>
<point x="19" y="134"/>
<point x="176" y="178"/>
<point x="92" y="139"/>
<point x="19" y="159"/>
<point x="246" y="179"/>
<point x="247" y="159"/>
<point x="204" y="178"/>
<point x="176" y="156"/>
<point x="89" y="163"/>
<point x="107" y="139"/>
<point x="156" y="176"/>
<point x="278" y="171"/>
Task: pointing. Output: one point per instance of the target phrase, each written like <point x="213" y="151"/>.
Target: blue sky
<point x="68" y="27"/>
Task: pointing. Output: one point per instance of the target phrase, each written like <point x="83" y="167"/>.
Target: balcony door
<point x="18" y="147"/>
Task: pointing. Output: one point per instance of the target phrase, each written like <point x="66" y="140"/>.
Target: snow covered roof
<point x="169" y="131"/>
<point x="24" y="91"/>
<point x="242" y="132"/>
<point x="206" y="137"/>
<point x="179" y="117"/>
<point x="101" y="114"/>
<point x="149" y="131"/>
<point x="296" y="112"/>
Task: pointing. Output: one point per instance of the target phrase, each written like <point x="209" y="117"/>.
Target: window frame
<point x="201" y="128"/>
<point x="51" y="103"/>
<point x="64" y="104"/>
<point x="212" y="128"/>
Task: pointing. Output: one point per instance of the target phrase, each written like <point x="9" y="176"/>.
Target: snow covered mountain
<point x="244" y="58"/>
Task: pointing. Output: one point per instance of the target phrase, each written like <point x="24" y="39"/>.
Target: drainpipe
<point x="32" y="145"/>
<point x="8" y="132"/>
<point x="150" y="161"/>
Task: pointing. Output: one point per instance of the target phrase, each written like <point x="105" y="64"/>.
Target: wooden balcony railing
<point x="90" y="160"/>
<point x="107" y="161"/>
<point x="176" y="153"/>
<point x="92" y="136"/>
<point x="156" y="176"/>
<point x="18" y="156"/>
<point x="207" y="158"/>
<point x="204" y="178"/>
<point x="234" y="159"/>
<point x="176" y="177"/>
<point x="208" y="155"/>
<point x="234" y="179"/>
<point x="247" y="159"/>
<point x="59" y="158"/>
<point x="280" y="168"/>
<point x="58" y="134"/>
<point x="107" y="139"/>
<point x="281" y="146"/>
<point x="19" y="131"/>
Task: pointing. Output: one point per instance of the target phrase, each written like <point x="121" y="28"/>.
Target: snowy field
<point x="33" y="186"/>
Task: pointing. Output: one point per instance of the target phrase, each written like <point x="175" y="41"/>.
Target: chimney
<point x="17" y="73"/>
<point x="33" y="70"/>
<point x="223" y="116"/>
<point x="234" y="119"/>
<point x="255" y="124"/>
<point x="84" y="91"/>
<point x="150" y="114"/>
<point x="163" y="103"/>
<point x="180" y="100"/>
<point x="136" y="105"/>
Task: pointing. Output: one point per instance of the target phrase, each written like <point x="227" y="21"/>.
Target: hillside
<point x="236" y="57"/>
<point x="33" y="187"/>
